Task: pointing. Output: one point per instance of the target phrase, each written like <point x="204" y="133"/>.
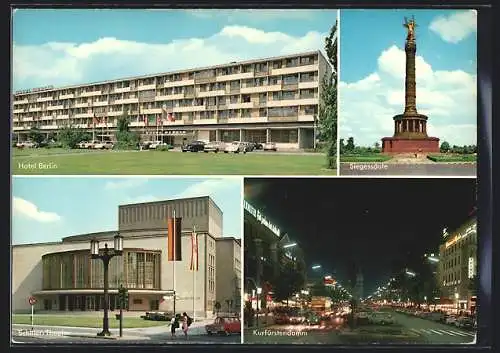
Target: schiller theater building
<point x="63" y="277"/>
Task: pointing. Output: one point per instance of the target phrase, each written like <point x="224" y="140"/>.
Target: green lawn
<point x="453" y="158"/>
<point x="83" y="321"/>
<point x="366" y="158"/>
<point x="169" y="163"/>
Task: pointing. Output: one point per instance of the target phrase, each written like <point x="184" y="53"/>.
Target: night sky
<point x="379" y="225"/>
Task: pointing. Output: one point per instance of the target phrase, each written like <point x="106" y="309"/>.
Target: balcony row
<point x="180" y="95"/>
<point x="181" y="83"/>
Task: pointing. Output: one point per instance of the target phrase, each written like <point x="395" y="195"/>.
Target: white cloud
<point x="125" y="183"/>
<point x="111" y="58"/>
<point x="255" y="15"/>
<point x="141" y="199"/>
<point x="448" y="98"/>
<point x="208" y="187"/>
<point x="28" y="209"/>
<point x="455" y="27"/>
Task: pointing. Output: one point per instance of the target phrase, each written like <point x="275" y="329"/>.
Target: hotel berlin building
<point x="263" y="100"/>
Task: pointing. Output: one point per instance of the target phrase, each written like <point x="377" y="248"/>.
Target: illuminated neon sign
<point x="471" y="267"/>
<point x="261" y="218"/>
<point x="471" y="229"/>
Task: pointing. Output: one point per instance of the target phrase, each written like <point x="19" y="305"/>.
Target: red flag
<point x="174" y="233"/>
<point x="194" y="252"/>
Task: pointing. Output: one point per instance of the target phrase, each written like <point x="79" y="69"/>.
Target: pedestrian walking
<point x="185" y="324"/>
<point x="174" y="324"/>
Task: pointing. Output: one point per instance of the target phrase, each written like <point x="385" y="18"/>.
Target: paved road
<point x="435" y="169"/>
<point x="147" y="335"/>
<point x="435" y="332"/>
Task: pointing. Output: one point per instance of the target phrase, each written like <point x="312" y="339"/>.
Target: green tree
<point x="445" y="147"/>
<point x="291" y="279"/>
<point x="36" y="135"/>
<point x="125" y="139"/>
<point x="70" y="136"/>
<point x="328" y="101"/>
<point x="349" y="148"/>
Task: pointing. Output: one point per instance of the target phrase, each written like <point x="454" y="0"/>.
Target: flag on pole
<point x="194" y="252"/>
<point x="174" y="246"/>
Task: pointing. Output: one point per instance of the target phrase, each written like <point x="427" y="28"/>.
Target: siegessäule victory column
<point x="410" y="128"/>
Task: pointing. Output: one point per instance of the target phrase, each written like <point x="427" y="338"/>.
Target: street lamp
<point x="457" y="296"/>
<point x="291" y="245"/>
<point x="316" y="267"/>
<point x="259" y="292"/>
<point x="106" y="256"/>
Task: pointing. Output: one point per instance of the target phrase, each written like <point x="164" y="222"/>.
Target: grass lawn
<point x="443" y="158"/>
<point x="167" y="163"/>
<point x="83" y="321"/>
<point x="364" y="158"/>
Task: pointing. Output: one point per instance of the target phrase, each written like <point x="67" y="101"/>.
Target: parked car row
<point x="460" y="321"/>
<point x="96" y="145"/>
<point x="153" y="145"/>
<point x="27" y="144"/>
<point x="227" y="147"/>
<point x="157" y="316"/>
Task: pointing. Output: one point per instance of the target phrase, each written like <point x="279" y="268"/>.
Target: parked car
<point x="92" y="144"/>
<point x="156" y="144"/>
<point x="465" y="322"/>
<point x="82" y="144"/>
<point x="235" y="147"/>
<point x="257" y="145"/>
<point x="157" y="316"/>
<point x="214" y="146"/>
<point x="297" y="319"/>
<point x="224" y="324"/>
<point x="103" y="145"/>
<point x="194" y="146"/>
<point x="27" y="144"/>
<point x="270" y="146"/>
<point x="249" y="146"/>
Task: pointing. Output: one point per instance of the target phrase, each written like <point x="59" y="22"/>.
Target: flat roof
<point x="172" y="200"/>
<point x="170" y="72"/>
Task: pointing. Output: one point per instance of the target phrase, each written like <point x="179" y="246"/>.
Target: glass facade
<point x="76" y="270"/>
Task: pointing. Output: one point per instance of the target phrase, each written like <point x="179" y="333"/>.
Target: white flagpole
<point x="195" y="263"/>
<point x="174" y="258"/>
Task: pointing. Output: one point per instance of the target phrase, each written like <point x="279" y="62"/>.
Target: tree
<point x="291" y="279"/>
<point x="342" y="146"/>
<point x="328" y="101"/>
<point x="70" y="136"/>
<point x="349" y="148"/>
<point x="125" y="139"/>
<point x="445" y="147"/>
<point x="36" y="135"/>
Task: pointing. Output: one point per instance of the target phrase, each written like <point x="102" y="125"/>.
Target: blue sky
<point x="61" y="47"/>
<point x="372" y="63"/>
<point x="47" y="209"/>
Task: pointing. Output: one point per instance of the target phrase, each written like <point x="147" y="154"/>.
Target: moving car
<point x="270" y="146"/>
<point x="235" y="147"/>
<point x="214" y="146"/>
<point x="381" y="318"/>
<point x="224" y="324"/>
<point x="450" y="319"/>
<point x="194" y="146"/>
<point x="297" y="319"/>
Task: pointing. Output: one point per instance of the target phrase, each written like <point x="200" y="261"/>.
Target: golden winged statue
<point x="410" y="26"/>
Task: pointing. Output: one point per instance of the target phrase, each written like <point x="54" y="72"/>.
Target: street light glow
<point x="291" y="245"/>
<point x="315" y="267"/>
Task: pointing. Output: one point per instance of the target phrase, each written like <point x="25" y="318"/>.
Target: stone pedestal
<point x="395" y="145"/>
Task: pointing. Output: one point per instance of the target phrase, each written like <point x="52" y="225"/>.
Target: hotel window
<point x="260" y="67"/>
<point x="275" y="80"/>
<point x="263" y="97"/>
<point x="288" y="95"/>
<point x="140" y="270"/>
<point x="307" y="60"/>
<point x="246" y="98"/>
<point x="131" y="270"/>
<point x="262" y="112"/>
<point x="247" y="68"/>
<point x="245" y="113"/>
<point x="290" y="79"/>
<point x="277" y="65"/>
<point x="292" y="62"/>
<point x="233" y="99"/>
<point x="310" y="110"/>
<point x="284" y="135"/>
<point x="234" y="85"/>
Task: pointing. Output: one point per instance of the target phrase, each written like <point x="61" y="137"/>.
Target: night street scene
<point x="360" y="261"/>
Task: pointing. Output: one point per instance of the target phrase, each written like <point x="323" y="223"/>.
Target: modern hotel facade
<point x="264" y="100"/>
<point x="63" y="277"/>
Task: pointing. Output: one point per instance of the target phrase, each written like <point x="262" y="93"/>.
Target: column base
<point x="395" y="145"/>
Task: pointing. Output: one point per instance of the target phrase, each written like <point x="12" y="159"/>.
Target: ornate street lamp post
<point x="106" y="256"/>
